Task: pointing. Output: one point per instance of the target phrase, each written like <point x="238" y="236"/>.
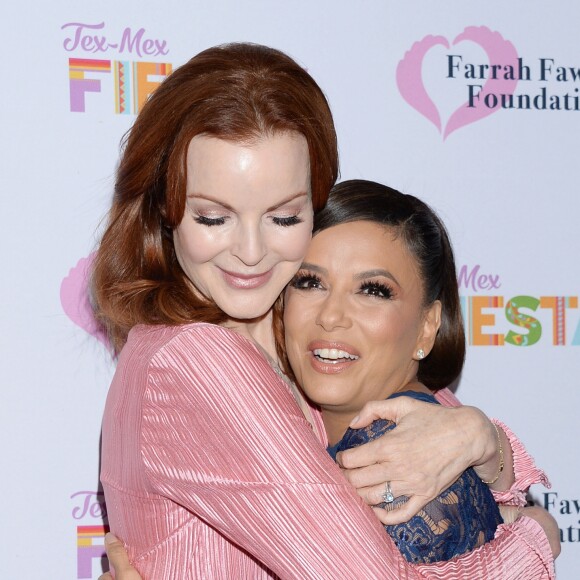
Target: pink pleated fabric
<point x="525" y="470"/>
<point x="211" y="471"/>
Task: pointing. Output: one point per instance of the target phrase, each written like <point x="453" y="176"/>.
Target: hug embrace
<point x="262" y="331"/>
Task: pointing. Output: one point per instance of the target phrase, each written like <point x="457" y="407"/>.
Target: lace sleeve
<point x="462" y="518"/>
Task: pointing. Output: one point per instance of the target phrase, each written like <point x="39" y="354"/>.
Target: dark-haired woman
<point x="211" y="459"/>
<point x="374" y="313"/>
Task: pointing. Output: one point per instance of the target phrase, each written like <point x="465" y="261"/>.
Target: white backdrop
<point x="397" y="76"/>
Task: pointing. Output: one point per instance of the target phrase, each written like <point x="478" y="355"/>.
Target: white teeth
<point x="333" y="354"/>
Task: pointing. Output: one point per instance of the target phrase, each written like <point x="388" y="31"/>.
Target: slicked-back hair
<point x="426" y="239"/>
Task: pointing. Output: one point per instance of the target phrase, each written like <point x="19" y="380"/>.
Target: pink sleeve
<point x="223" y="437"/>
<point x="525" y="470"/>
<point x="519" y="550"/>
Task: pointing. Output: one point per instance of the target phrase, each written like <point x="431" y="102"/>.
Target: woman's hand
<point x="119" y="561"/>
<point x="510" y="513"/>
<point x="427" y="451"/>
<point x="549" y="523"/>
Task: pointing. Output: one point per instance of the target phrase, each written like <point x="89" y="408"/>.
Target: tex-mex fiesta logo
<point x="491" y="318"/>
<point x="126" y="81"/>
<point x="489" y="84"/>
<point x="90" y="514"/>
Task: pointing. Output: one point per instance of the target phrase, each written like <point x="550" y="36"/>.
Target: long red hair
<point x="237" y="92"/>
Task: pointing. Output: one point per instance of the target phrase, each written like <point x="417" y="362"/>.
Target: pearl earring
<point x="420" y="354"/>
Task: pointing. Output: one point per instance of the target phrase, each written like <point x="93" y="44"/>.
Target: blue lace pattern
<point x="462" y="518"/>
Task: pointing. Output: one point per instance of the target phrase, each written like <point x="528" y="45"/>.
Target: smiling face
<point x="247" y="222"/>
<point x="355" y="318"/>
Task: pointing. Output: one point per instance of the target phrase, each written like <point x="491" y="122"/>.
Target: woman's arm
<point x="451" y="439"/>
<point x="224" y="438"/>
<point x="479" y="564"/>
<point x="520" y="470"/>
<point x="524" y="468"/>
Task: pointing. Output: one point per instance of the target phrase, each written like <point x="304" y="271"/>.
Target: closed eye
<point x="206" y="221"/>
<point x="287" y="221"/>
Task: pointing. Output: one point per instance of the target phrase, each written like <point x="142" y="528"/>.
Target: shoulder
<point x="195" y="354"/>
<point x="166" y="353"/>
<point x="204" y="366"/>
<point x="197" y="339"/>
<point x="205" y="343"/>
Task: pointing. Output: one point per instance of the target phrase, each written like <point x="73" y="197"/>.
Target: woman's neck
<point x="258" y="330"/>
<point x="336" y="420"/>
<point x="336" y="424"/>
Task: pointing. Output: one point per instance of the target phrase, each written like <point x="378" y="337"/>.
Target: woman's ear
<point x="428" y="330"/>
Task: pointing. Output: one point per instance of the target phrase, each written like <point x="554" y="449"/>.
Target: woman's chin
<point x="245" y="311"/>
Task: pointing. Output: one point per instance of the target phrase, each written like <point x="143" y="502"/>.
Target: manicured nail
<point x="354" y="421"/>
<point x="109" y="538"/>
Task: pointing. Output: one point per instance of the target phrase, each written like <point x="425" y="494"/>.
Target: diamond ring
<point x="388" y="496"/>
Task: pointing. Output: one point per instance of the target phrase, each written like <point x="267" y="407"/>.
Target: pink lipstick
<point x="246" y="281"/>
<point x="329" y="357"/>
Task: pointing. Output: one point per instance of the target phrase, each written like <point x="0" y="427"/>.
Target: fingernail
<point x="354" y="421"/>
<point x="109" y="538"/>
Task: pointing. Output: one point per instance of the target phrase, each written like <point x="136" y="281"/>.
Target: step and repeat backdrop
<point x="474" y="107"/>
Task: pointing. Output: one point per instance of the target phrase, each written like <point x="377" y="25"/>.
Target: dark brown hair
<point x="426" y="238"/>
<point x="237" y="92"/>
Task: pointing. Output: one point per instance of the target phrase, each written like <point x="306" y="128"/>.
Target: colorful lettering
<point x="479" y="319"/>
<point x="92" y="503"/>
<point x="79" y="85"/>
<point x="83" y="40"/>
<point x="476" y="318"/>
<point x="558" y="304"/>
<point x="532" y="325"/>
<point x="134" y="82"/>
<point x="147" y="76"/>
<point x="476" y="281"/>
<point x="122" y="87"/>
<point x="87" y="551"/>
<point x="576" y="337"/>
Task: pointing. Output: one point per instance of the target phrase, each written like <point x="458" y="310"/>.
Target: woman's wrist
<point x="525" y="471"/>
<point x="495" y="464"/>
<point x="500" y="463"/>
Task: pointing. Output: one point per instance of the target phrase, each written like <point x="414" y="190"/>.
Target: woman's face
<point x="247" y="222"/>
<point x="354" y="317"/>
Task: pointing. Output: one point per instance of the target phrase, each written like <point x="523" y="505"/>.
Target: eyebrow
<point x="377" y="272"/>
<point x="359" y="276"/>
<point x="286" y="200"/>
<point x="314" y="268"/>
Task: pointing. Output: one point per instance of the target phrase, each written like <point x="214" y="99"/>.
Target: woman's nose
<point x="333" y="312"/>
<point x="250" y="245"/>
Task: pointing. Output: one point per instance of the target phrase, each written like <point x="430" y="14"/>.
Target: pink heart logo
<point x="74" y="298"/>
<point x="412" y="89"/>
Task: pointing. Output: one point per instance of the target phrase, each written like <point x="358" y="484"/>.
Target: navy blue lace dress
<point x="462" y="518"/>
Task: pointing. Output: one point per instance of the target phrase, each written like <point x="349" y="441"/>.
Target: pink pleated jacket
<point x="210" y="470"/>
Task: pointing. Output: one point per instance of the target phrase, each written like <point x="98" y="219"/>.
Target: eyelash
<point x="381" y="291"/>
<point x="308" y="281"/>
<point x="287" y="221"/>
<point x="205" y="221"/>
<point x="301" y="280"/>
<point x="279" y="221"/>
